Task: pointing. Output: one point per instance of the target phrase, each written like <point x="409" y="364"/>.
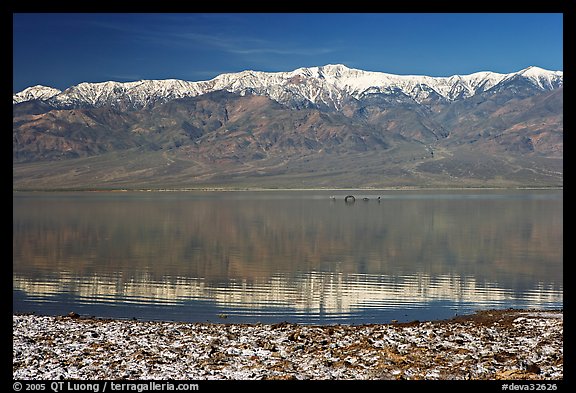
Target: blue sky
<point x="61" y="50"/>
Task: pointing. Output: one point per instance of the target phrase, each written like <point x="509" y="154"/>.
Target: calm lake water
<point x="297" y="256"/>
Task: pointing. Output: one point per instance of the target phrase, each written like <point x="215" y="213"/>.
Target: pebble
<point x="503" y="344"/>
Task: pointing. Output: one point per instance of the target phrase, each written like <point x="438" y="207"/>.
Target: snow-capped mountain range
<point x="329" y="86"/>
<point x="329" y="126"/>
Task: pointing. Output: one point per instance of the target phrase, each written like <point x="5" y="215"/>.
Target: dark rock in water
<point x="74" y="315"/>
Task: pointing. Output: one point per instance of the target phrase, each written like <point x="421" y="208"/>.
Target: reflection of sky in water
<point x="286" y="255"/>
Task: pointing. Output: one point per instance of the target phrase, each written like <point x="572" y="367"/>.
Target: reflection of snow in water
<point x="313" y="292"/>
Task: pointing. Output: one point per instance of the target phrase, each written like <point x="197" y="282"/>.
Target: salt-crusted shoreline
<point x="505" y="344"/>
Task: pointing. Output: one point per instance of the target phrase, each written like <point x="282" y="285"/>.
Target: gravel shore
<point x="504" y="344"/>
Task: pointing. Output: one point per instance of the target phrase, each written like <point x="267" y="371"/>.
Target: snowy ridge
<point x="546" y="80"/>
<point x="329" y="85"/>
<point x="37" y="92"/>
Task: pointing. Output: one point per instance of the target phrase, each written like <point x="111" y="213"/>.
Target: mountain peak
<point x="537" y="71"/>
<point x="38" y="92"/>
<point x="544" y="79"/>
<point x="334" y="68"/>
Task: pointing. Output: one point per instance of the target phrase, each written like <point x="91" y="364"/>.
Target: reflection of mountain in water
<point x="296" y="249"/>
<point x="331" y="293"/>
